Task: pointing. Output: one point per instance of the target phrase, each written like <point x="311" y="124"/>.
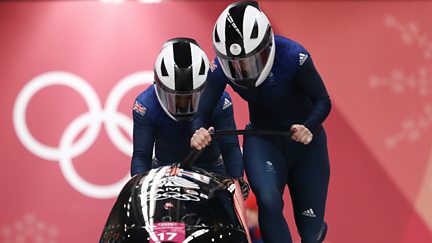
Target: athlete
<point x="277" y="78"/>
<point x="162" y="115"/>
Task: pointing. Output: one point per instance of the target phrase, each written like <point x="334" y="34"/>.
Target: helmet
<point x="244" y="44"/>
<point x="180" y="73"/>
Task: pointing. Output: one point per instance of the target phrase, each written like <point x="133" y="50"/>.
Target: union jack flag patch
<point x="213" y="66"/>
<point x="140" y="109"/>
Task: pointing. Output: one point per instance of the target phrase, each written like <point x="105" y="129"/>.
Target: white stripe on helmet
<point x="197" y="57"/>
<point x="251" y="15"/>
<point x="167" y="55"/>
<point x="220" y="28"/>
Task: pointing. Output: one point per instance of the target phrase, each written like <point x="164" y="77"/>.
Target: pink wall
<point x="61" y="168"/>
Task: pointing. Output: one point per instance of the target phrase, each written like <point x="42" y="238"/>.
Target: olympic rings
<point x="92" y="120"/>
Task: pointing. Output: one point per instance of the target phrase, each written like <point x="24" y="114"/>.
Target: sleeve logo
<point x="226" y="104"/>
<point x="302" y="58"/>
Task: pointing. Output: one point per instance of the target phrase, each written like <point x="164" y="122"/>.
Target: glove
<point x="244" y="187"/>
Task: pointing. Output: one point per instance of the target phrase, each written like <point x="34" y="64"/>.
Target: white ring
<point x="91" y="121"/>
<point x="40" y="82"/>
<point x="68" y="169"/>
<point x="113" y="100"/>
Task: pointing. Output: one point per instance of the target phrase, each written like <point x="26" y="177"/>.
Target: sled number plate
<point x="169" y="231"/>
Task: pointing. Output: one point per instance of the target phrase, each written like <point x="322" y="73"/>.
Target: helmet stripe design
<point x="183" y="73"/>
<point x="200" y="64"/>
<point x="164" y="73"/>
<point x="234" y="23"/>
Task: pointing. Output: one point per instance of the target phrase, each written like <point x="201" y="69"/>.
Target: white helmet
<point x="180" y="73"/>
<point x="244" y="44"/>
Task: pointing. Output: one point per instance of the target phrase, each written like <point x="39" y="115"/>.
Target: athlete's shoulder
<point x="288" y="46"/>
<point x="215" y="73"/>
<point x="290" y="52"/>
<point x="146" y="103"/>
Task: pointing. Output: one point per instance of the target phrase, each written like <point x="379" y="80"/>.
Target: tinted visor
<point x="245" y="71"/>
<point x="181" y="105"/>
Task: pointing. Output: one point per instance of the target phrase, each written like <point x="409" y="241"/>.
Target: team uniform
<point x="292" y="93"/>
<point x="171" y="139"/>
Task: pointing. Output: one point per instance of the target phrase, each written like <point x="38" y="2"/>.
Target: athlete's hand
<point x="301" y="134"/>
<point x="201" y="138"/>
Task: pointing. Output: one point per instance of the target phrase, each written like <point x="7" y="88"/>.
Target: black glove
<point x="244" y="187"/>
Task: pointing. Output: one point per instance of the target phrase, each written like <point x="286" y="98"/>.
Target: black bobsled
<point x="180" y="204"/>
<point x="171" y="204"/>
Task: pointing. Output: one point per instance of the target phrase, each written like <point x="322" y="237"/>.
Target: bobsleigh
<point x="181" y="204"/>
<point x="177" y="205"/>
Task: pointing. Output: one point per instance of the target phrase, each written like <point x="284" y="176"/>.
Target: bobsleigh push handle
<point x="195" y="153"/>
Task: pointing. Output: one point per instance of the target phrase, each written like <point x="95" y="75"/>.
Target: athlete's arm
<point x="214" y="88"/>
<point x="143" y="141"/>
<point x="229" y="145"/>
<point x="309" y="79"/>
